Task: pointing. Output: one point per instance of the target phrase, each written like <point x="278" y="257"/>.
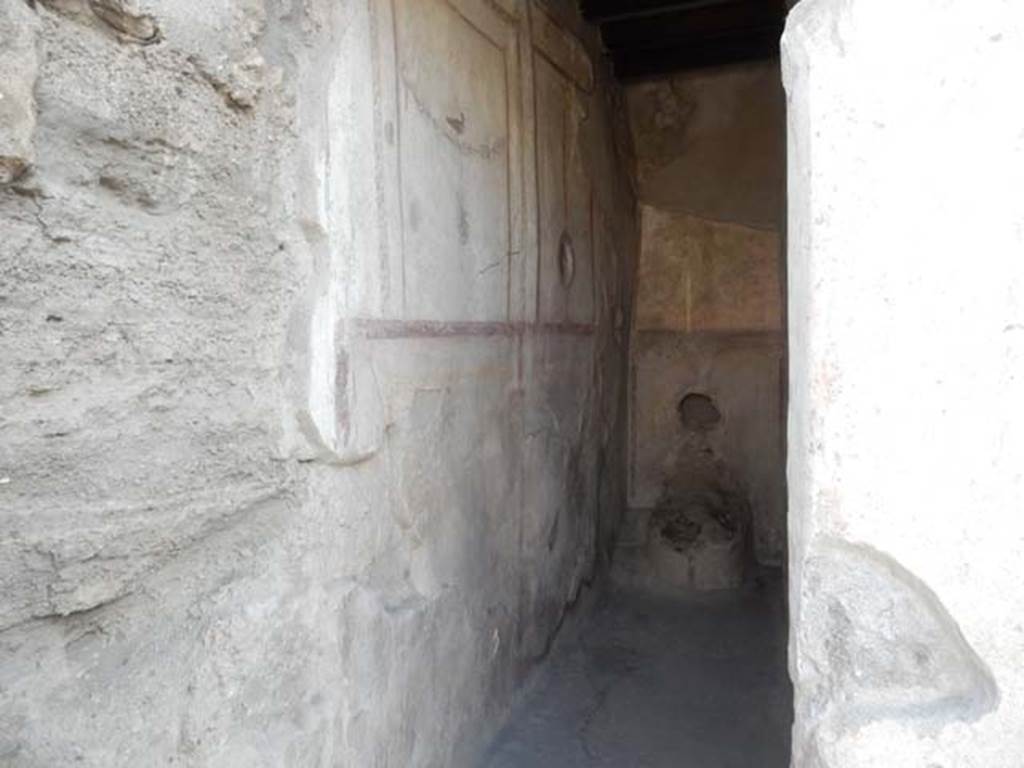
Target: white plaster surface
<point x="292" y="470"/>
<point x="906" y="426"/>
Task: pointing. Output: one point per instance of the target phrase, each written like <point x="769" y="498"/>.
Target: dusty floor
<point x="662" y="683"/>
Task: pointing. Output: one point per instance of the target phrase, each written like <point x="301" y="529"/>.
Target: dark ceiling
<point x="654" y="37"/>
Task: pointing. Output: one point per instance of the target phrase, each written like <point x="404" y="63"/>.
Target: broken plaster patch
<point x="882" y="645"/>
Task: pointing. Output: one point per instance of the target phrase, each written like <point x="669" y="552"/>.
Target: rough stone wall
<point x="906" y="290"/>
<point x="310" y="430"/>
<point x="710" y="159"/>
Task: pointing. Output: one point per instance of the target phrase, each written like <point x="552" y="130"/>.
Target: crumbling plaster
<point x="307" y="442"/>
<point x="708" y="320"/>
<point x="710" y="167"/>
<point x="906" y="437"/>
<point x="712" y="143"/>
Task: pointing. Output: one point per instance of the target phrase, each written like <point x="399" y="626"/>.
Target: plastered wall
<point x="907" y="345"/>
<point x="310" y="432"/>
<point x="710" y="157"/>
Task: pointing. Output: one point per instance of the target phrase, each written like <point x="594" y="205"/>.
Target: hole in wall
<point x="566" y="260"/>
<point x="699" y="412"/>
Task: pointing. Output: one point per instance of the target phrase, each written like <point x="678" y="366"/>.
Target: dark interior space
<point x="682" y="662"/>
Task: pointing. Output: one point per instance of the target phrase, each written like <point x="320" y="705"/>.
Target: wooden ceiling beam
<point x="695" y="24"/>
<point x="748" y="45"/>
<point x="600" y="11"/>
<point x="650" y="37"/>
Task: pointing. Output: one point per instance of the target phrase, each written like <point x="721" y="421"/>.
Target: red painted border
<point x="371" y="328"/>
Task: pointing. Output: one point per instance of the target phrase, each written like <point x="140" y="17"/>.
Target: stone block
<point x="19" y="27"/>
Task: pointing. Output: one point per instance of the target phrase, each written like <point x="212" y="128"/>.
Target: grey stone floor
<point x="655" y="682"/>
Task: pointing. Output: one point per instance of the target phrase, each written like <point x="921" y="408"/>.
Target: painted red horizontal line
<point x="440" y="329"/>
<point x="716" y="333"/>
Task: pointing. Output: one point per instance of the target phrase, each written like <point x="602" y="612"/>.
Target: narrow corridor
<point x="662" y="682"/>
